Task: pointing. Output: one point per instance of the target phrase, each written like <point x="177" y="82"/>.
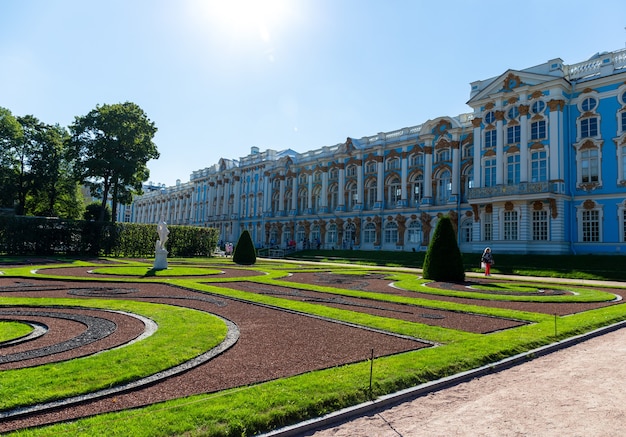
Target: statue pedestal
<point x="160" y="260"/>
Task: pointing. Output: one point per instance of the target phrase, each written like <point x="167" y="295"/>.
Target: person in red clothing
<point x="487" y="261"/>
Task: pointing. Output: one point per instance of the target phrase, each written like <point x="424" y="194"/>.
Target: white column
<point x="500" y="165"/>
<point x="523" y="142"/>
<point x="341" y="201"/>
<point x="478" y="146"/>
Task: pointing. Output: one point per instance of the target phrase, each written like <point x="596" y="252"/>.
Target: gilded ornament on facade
<point x="589" y="204"/>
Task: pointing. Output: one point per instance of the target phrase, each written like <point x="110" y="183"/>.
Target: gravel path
<point x="576" y="391"/>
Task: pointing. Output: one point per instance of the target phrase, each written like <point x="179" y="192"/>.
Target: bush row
<point x="49" y="236"/>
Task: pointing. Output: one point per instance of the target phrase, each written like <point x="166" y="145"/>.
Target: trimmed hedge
<point x="20" y="235"/>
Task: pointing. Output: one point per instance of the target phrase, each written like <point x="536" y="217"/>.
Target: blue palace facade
<point x="537" y="166"/>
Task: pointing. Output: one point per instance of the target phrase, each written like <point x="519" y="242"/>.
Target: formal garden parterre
<point x="82" y="340"/>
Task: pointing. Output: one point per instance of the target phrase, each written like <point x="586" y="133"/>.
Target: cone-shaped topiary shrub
<point x="443" y="260"/>
<point x="245" y="252"/>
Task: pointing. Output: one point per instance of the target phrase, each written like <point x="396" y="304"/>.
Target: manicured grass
<point x="182" y="334"/>
<point x="146" y="272"/>
<point x="12" y="330"/>
<point x="262" y="407"/>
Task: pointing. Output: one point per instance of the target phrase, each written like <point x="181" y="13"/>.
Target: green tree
<point x="93" y="212"/>
<point x="53" y="188"/>
<point x="245" y="252"/>
<point x="443" y="261"/>
<point x="10" y="138"/>
<point x="111" y="147"/>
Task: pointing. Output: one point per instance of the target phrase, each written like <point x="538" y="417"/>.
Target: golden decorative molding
<point x="536" y="95"/>
<point x="489" y="208"/>
<point x="499" y="115"/>
<point x="512" y="81"/>
<point x="587" y="90"/>
<point x="476" y="122"/>
<point x="553" y="208"/>
<point x="508" y="206"/>
<point x="476" y="213"/>
<point x="489" y="106"/>
<point x="537" y="205"/>
<point x="589" y="204"/>
<point x="523" y="109"/>
<point x="556" y="105"/>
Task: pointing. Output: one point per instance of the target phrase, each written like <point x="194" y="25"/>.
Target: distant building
<point x="538" y="166"/>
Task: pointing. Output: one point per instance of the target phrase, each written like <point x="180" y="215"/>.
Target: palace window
<point x="443" y="155"/>
<point x="538" y="107"/>
<point x="444" y="187"/>
<point x="331" y="234"/>
<point x="538" y="130"/>
<point x="334" y="173"/>
<point x="391" y="233"/>
<point x="369" y="233"/>
<point x="417" y="187"/>
<point x="540" y="225"/>
<point x="589" y="127"/>
<point x="513" y="134"/>
<point x="490" y="172"/>
<point x="371" y="167"/>
<point x="589" y="169"/>
<point x="488" y="226"/>
<point x="352" y="196"/>
<point x="393" y="163"/>
<point x="333" y="196"/>
<point x="371" y="193"/>
<point x="513" y="169"/>
<point x="466" y="231"/>
<point x="302" y="200"/>
<point x="510" y="225"/>
<point x="415" y="232"/>
<point x="416" y="159"/>
<point x="394" y="192"/>
<point x="490" y="138"/>
<point x="490" y="117"/>
<point x="351" y="171"/>
<point x="590" y="224"/>
<point x="538" y="166"/>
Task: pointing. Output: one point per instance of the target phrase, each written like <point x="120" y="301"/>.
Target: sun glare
<point x="242" y="19"/>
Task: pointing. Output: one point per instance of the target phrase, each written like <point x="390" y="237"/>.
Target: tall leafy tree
<point x="10" y="137"/>
<point x="111" y="147"/>
<point x="55" y="191"/>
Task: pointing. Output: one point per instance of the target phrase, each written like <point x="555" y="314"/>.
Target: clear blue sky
<point x="220" y="77"/>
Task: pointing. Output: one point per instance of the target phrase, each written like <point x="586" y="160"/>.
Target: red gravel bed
<point x="447" y="319"/>
<point x="376" y="284"/>
<point x="273" y="344"/>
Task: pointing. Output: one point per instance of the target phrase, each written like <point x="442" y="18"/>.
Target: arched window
<point x="369" y="233"/>
<point x="333" y="197"/>
<point x="331" y="234"/>
<point x="417" y="189"/>
<point x="391" y="233"/>
<point x="350" y="234"/>
<point x="414" y="231"/>
<point x="444" y="187"/>
<point x="393" y="192"/>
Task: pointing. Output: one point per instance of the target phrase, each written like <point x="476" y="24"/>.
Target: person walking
<point x="486" y="260"/>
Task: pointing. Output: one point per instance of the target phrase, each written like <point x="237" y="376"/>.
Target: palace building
<point x="537" y="165"/>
